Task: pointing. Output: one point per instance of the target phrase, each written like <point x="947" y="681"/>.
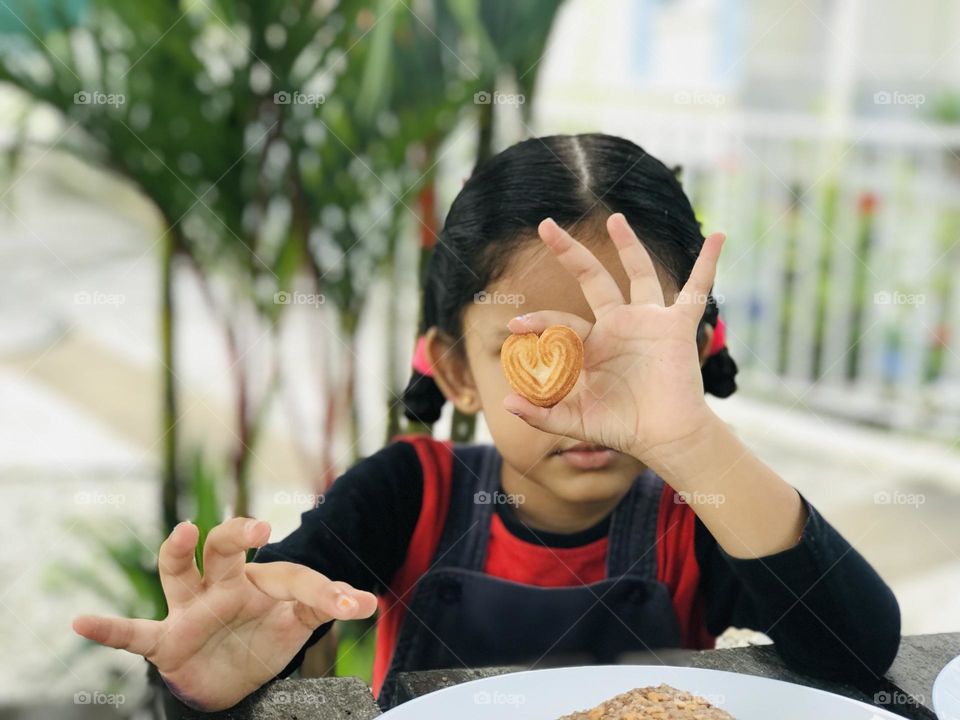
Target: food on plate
<point x="543" y="368"/>
<point x="661" y="703"/>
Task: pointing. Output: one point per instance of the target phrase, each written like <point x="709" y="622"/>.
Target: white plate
<point x="548" y="694"/>
<point x="946" y="691"/>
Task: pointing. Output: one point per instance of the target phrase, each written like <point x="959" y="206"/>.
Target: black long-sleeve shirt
<point x="826" y="609"/>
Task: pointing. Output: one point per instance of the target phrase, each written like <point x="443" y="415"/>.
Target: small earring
<point x="466" y="398"/>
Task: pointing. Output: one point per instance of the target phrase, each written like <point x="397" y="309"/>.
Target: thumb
<point x="130" y="634"/>
<point x="561" y="419"/>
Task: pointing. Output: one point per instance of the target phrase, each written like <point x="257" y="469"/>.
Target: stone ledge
<point x="341" y="698"/>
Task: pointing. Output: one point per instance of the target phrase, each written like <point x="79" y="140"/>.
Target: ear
<point x="704" y="338"/>
<point x="451" y="372"/>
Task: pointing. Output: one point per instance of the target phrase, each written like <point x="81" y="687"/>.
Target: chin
<point x="588" y="486"/>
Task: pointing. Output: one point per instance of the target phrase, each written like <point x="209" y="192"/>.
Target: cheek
<point x="516" y="441"/>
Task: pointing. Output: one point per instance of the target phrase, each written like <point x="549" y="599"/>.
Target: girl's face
<point x="538" y="464"/>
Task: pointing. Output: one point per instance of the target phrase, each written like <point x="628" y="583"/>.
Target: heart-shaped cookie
<point x="543" y="368"/>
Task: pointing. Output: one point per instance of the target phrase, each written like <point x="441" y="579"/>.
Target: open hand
<point x="236" y="627"/>
<point x="641" y="388"/>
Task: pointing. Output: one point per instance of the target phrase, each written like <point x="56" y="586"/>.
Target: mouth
<point x="586" y="456"/>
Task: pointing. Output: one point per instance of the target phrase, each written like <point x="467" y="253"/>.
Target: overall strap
<point x="633" y="529"/>
<point x="474" y="488"/>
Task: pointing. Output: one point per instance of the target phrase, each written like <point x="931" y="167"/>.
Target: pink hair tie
<point x="420" y="362"/>
<point x="719" y="337"/>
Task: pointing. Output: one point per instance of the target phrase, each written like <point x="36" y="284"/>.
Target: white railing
<point x="840" y="278"/>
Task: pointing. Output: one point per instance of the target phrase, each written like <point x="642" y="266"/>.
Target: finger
<point x="326" y="598"/>
<point x="537" y="322"/>
<point x="644" y="283"/>
<point x="693" y="296"/>
<point x="177" y="564"/>
<point x="599" y="288"/>
<point x="561" y="419"/>
<point x="225" y="551"/>
<point x="133" y="635"/>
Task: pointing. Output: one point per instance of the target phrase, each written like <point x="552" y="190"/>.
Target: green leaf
<point x="206" y="505"/>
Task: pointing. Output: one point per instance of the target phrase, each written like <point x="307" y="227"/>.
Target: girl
<point x="628" y="517"/>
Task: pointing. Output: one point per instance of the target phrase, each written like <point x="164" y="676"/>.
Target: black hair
<point x="578" y="180"/>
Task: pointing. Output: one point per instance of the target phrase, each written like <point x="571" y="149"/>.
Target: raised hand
<point x="237" y="626"/>
<point x="641" y="387"/>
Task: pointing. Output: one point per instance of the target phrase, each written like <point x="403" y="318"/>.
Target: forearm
<point x="826" y="608"/>
<point x="750" y="510"/>
<point x="777" y="565"/>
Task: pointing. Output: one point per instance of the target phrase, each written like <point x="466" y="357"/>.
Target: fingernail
<point x="522" y="318"/>
<point x="249" y="526"/>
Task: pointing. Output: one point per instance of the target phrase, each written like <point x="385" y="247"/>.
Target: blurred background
<point x="213" y="214"/>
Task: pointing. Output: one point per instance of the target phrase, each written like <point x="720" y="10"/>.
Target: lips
<point x="586" y="456"/>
